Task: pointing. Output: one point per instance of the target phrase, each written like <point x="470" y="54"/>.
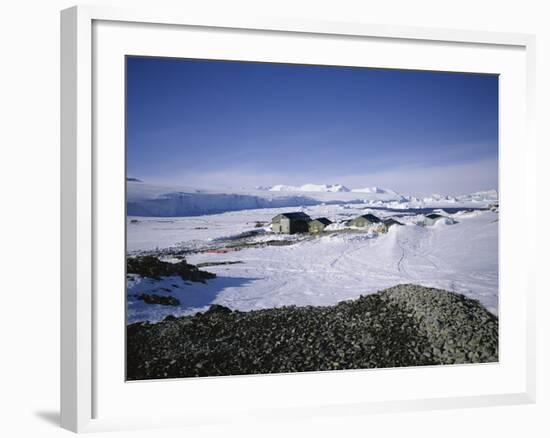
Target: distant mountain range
<point x="326" y="188"/>
<point x="146" y="199"/>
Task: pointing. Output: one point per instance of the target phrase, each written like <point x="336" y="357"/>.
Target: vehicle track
<point x="346" y="254"/>
<point x="401" y="262"/>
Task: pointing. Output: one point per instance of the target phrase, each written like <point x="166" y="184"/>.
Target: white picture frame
<point x="85" y="175"/>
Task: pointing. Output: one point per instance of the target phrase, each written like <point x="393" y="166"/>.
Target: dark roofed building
<point x="389" y="222"/>
<point x="290" y="223"/>
<point x="432" y="218"/>
<point x="364" y="220"/>
<point x="319" y="224"/>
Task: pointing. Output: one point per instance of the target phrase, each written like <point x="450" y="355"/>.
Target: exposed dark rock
<point x="159" y="299"/>
<point x="406" y="325"/>
<point x="217" y="308"/>
<point x="150" y="266"/>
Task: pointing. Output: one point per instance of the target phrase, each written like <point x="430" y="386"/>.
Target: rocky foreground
<point x="406" y="325"/>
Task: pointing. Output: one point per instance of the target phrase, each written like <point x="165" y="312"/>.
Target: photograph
<point x="285" y="218"/>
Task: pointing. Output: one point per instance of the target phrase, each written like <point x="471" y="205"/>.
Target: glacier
<point x="154" y="200"/>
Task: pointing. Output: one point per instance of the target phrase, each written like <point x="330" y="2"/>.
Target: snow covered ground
<point x="254" y="272"/>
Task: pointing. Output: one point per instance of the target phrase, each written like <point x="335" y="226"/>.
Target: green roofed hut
<point x="290" y="223"/>
<point x="318" y="225"/>
<point x="364" y="220"/>
<point x="390" y="221"/>
<point x="387" y="224"/>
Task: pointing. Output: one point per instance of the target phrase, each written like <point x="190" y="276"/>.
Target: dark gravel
<point x="406" y="325"/>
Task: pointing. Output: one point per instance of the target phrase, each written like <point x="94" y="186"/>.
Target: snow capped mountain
<point x="327" y="188"/>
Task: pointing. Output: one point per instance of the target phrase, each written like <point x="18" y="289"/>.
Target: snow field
<point x="319" y="270"/>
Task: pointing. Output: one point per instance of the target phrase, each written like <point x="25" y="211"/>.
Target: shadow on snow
<point x="193" y="297"/>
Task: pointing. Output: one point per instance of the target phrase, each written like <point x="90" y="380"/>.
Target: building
<point x="364" y="220"/>
<point x="318" y="225"/>
<point x="290" y="223"/>
<point x="432" y="218"/>
<point x="389" y="222"/>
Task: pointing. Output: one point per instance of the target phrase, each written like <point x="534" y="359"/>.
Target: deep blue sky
<point x="217" y="124"/>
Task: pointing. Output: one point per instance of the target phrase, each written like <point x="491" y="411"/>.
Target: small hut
<point x="432" y="218"/>
<point x="390" y="221"/>
<point x="364" y="220"/>
<point x="318" y="225"/>
<point x="290" y="223"/>
<point x="387" y="224"/>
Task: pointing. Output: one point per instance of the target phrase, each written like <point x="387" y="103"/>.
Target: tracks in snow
<point x="400" y="266"/>
<point x="346" y="254"/>
<point x="420" y="247"/>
